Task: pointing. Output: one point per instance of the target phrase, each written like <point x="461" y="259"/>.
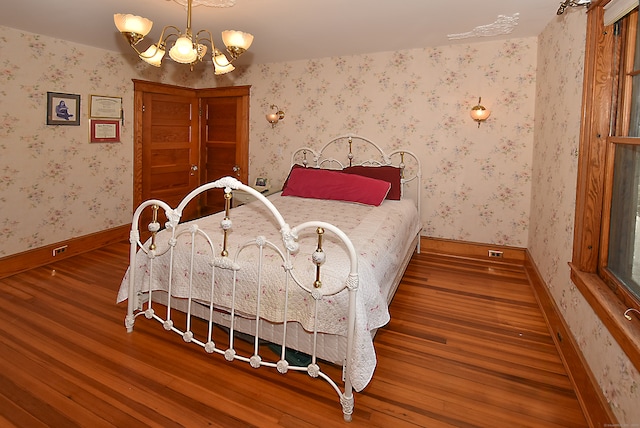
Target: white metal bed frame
<point x="142" y="303"/>
<point x="320" y="159"/>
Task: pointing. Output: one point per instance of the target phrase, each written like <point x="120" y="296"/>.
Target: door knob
<point x="236" y="169"/>
<point x="194" y="168"/>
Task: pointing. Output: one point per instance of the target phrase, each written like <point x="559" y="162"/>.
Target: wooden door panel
<point x="220" y="160"/>
<point x="169" y="155"/>
<point x="177" y="164"/>
<point x="170" y="123"/>
<point x="220" y="138"/>
<point x="222" y="117"/>
<point x="170" y="133"/>
<point x="224" y="139"/>
<point x="167" y="182"/>
<point x="171" y="110"/>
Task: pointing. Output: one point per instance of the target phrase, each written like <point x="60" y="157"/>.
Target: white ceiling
<point x="287" y="30"/>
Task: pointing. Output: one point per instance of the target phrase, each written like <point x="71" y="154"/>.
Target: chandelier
<point x="187" y="48"/>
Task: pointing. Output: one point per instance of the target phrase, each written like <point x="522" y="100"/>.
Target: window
<point x="606" y="255"/>
<point x="620" y="259"/>
<point x="623" y="251"/>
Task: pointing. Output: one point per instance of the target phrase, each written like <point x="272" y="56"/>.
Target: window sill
<point x="610" y="311"/>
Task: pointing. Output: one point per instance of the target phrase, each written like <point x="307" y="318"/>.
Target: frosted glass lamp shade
<point x="274" y="117"/>
<point x="479" y="113"/>
<point x="153" y="55"/>
<point x="238" y="40"/>
<point x="128" y="23"/>
<point x="221" y="64"/>
<point x="183" y="51"/>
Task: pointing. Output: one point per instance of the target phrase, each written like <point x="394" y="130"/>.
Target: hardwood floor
<point x="467" y="346"/>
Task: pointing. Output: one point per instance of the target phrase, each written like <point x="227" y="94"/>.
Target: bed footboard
<point x="239" y="287"/>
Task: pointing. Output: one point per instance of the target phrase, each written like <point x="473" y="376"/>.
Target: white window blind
<point x="616" y="9"/>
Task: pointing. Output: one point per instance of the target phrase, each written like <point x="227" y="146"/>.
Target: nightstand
<point x="241" y="198"/>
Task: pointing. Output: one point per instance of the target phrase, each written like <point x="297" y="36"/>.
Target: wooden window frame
<point x="600" y="288"/>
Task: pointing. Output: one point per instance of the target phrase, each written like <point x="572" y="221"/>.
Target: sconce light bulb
<point x="274" y="117"/>
<point x="479" y="113"/>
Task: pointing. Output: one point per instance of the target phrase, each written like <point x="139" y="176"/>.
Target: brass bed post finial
<point x="318" y="258"/>
<point x="154" y="220"/>
<point x="350" y="151"/>
<point x="227" y="206"/>
<point x="402" y="165"/>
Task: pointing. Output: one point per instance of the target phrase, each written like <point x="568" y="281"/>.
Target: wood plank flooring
<point x="467" y="346"/>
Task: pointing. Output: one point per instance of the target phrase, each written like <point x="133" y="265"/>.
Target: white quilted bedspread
<point x="380" y="235"/>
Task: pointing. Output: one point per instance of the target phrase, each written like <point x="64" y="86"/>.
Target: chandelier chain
<point x="208" y="3"/>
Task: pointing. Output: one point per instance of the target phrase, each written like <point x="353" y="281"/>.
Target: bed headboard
<point x="354" y="150"/>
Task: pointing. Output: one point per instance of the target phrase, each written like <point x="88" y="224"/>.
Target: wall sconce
<point x="273" y="118"/>
<point x="479" y="113"/>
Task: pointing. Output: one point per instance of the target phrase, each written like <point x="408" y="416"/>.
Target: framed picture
<point x="105" y="131"/>
<point x="105" y="107"/>
<point x="63" y="109"/>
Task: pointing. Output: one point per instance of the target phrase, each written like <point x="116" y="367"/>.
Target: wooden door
<point x="186" y="137"/>
<point x="169" y="145"/>
<point x="224" y="139"/>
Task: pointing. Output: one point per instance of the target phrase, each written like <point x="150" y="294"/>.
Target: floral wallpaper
<point x="510" y="181"/>
<point x="477" y="180"/>
<point x="555" y="168"/>
<point x="54" y="184"/>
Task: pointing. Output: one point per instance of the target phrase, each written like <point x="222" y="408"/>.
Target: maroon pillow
<point x="335" y="185"/>
<point x="295" y="166"/>
<point x="387" y="173"/>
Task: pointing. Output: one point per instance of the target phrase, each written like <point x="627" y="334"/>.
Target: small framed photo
<point x="262" y="182"/>
<point x="105" y="131"/>
<point x="63" y="109"/>
<point x="105" y="107"/>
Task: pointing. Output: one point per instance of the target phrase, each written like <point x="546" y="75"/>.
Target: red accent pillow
<point x="335" y="185"/>
<point x="387" y="173"/>
<point x="295" y="166"/>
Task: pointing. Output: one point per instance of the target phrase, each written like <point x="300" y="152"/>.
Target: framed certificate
<point x="105" y="107"/>
<point x="105" y="131"/>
